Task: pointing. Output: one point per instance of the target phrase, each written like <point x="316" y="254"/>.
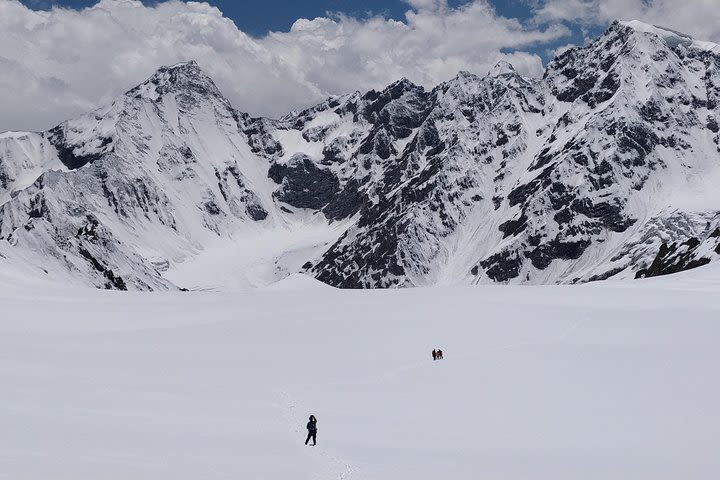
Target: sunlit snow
<point x="611" y="380"/>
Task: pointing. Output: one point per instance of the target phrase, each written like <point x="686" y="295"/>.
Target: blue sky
<point x="257" y="18"/>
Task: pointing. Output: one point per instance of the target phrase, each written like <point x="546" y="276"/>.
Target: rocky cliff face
<point x="603" y="168"/>
<point x="506" y="179"/>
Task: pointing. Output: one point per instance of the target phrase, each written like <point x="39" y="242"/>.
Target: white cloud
<point x="699" y="18"/>
<point x="59" y="63"/>
<point x="432" y="5"/>
<point x="556" y="52"/>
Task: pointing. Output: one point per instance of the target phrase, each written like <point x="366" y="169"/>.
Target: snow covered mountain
<point x="119" y="194"/>
<point x="605" y="167"/>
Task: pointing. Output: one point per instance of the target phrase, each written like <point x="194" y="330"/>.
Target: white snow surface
<point x="672" y="37"/>
<point x="257" y="258"/>
<point x="608" y="380"/>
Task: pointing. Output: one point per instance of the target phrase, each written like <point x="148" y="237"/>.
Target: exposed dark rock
<point x="212" y="208"/>
<point x="503" y="266"/>
<point x="260" y="141"/>
<point x="304" y="185"/>
<point x="514" y="227"/>
<point x="543" y="255"/>
<point x="580" y="87"/>
<point x="346" y="203"/>
<point x="611" y="215"/>
<point x="114" y="281"/>
<point x="256" y="212"/>
<point x="712" y="125"/>
<point x="675" y="257"/>
<point x="67" y="153"/>
<point x="38" y="207"/>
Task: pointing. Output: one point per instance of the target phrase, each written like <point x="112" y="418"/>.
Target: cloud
<point x="556" y="52"/>
<point x="58" y="63"/>
<point x="699" y="18"/>
<point x="431" y="5"/>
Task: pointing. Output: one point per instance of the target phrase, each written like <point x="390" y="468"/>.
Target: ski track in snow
<point x="294" y="413"/>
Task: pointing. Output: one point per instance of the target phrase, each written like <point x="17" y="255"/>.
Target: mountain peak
<point x="403" y="83"/>
<point x="461" y="80"/>
<point x="502" y="67"/>
<point x="465" y="75"/>
<point x="181" y="77"/>
<point x="400" y="87"/>
<point x="190" y="64"/>
<point x="672" y="38"/>
<point x="643" y="27"/>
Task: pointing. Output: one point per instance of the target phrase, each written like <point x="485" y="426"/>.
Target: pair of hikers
<point x="312" y="430"/>
<point x="437" y="354"/>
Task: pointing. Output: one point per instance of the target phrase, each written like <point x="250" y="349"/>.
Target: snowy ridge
<point x="603" y="168"/>
<point x="147" y="181"/>
<point x="671" y="37"/>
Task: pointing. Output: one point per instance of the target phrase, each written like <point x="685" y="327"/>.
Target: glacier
<point x="604" y="380"/>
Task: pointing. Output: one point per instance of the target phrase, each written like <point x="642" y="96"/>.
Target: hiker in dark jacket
<point x="312" y="430"/>
<point x="434" y="353"/>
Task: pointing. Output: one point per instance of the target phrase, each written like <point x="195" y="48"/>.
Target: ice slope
<point x="601" y="381"/>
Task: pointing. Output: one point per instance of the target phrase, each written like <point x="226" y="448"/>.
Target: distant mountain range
<point x="607" y="167"/>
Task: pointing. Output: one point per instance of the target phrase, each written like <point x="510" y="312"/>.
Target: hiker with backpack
<point x="312" y="430"/>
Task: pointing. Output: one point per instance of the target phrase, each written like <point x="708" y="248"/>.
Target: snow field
<point x="602" y="381"/>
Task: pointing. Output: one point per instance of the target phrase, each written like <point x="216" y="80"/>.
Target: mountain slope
<point x="554" y="182"/>
<point x="137" y="184"/>
<point x="603" y="168"/>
